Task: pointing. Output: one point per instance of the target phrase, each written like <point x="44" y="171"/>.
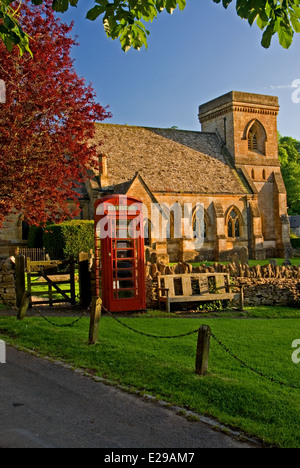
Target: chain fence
<point x="148" y="334"/>
<point x="181" y="335"/>
<point x="243" y="363"/>
<point x="225" y="348"/>
<point x="59" y="325"/>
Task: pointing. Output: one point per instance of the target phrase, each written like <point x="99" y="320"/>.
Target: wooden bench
<point x="195" y="287"/>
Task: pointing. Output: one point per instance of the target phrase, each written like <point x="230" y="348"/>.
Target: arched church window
<point x="171" y="221"/>
<point x="233" y="224"/>
<point x="257" y="137"/>
<point x="199" y="225"/>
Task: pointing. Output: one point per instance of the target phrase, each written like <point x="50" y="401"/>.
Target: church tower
<point x="247" y="124"/>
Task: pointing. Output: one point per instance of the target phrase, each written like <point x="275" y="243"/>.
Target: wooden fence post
<point x="72" y="280"/>
<point x="20" y="279"/>
<point x="84" y="279"/>
<point x="95" y="319"/>
<point x="202" y="353"/>
<point x="24" y="305"/>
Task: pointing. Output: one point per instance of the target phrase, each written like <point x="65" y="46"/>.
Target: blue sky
<point x="192" y="57"/>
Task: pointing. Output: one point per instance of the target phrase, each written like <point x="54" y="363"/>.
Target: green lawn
<point x="230" y="392"/>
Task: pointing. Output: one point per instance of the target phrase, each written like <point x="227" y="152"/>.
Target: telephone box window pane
<point x="123" y="228"/>
<point x="121" y="245"/>
<point x="120" y="274"/>
<point x="125" y="244"/>
<point x="125" y="264"/>
<point x="125" y="254"/>
<point x="125" y="294"/>
<point x="126" y="284"/>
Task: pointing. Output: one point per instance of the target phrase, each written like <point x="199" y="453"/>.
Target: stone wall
<point x="7" y="282"/>
<point x="263" y="285"/>
<point x="270" y="291"/>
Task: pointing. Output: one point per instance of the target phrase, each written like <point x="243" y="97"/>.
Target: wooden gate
<point x="43" y="279"/>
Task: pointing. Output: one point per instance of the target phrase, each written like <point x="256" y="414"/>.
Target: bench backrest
<point x="193" y="284"/>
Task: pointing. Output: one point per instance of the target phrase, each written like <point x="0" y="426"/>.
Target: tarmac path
<point x="45" y="405"/>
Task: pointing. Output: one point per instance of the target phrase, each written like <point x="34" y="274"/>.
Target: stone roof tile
<point x="168" y="160"/>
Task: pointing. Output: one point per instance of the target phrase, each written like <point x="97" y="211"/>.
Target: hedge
<point x="69" y="238"/>
<point x="295" y="242"/>
<point x="35" y="237"/>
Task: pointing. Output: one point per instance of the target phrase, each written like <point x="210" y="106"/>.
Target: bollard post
<point x="202" y="353"/>
<point x="95" y="319"/>
<point x="24" y="305"/>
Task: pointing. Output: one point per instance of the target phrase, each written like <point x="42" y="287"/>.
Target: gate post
<point x="72" y="280"/>
<point x="84" y="279"/>
<point x="20" y="278"/>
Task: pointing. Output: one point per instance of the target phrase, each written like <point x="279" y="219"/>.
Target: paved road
<point x="43" y="404"/>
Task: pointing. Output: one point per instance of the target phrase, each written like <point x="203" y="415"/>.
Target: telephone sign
<point x="119" y="250"/>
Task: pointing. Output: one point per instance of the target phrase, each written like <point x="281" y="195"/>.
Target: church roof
<point x="168" y="160"/>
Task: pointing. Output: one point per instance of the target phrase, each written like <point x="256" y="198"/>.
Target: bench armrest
<point x="164" y="289"/>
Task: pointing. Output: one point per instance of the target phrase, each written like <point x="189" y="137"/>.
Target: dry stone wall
<point x="7" y="282"/>
<point x="269" y="284"/>
<point x="271" y="291"/>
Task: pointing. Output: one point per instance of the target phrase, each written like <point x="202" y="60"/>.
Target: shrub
<point x="69" y="238"/>
<point x="295" y="243"/>
<point x="35" y="237"/>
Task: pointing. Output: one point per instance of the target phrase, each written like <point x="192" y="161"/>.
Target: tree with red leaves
<point x="46" y="123"/>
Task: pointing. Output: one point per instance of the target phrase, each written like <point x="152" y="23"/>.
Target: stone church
<point x="230" y="169"/>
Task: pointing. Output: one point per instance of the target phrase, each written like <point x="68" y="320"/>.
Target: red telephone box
<point x="119" y="239"/>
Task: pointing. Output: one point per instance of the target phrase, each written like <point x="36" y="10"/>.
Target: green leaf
<point x="285" y="36"/>
<point x="295" y="22"/>
<point x="60" y="5"/>
<point x="94" y="12"/>
<point x="267" y="37"/>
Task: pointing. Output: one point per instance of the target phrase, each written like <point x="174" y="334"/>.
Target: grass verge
<point x="230" y="392"/>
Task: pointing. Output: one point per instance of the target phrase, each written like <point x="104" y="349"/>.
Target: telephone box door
<point x="119" y="230"/>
